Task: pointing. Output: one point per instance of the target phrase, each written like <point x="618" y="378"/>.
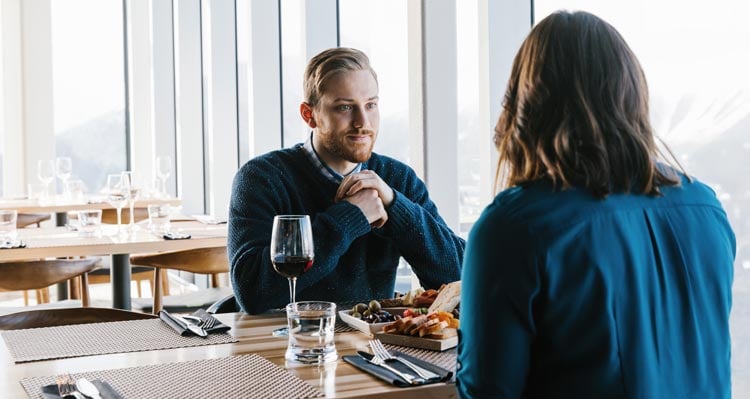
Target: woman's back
<point x="628" y="296"/>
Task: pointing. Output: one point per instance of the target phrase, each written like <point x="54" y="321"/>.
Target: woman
<point x="599" y="272"/>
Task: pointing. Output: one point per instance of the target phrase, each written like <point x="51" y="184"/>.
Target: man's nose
<point x="360" y="119"/>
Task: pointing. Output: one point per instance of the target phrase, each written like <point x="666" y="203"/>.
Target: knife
<point x="410" y="379"/>
<point x="192" y="327"/>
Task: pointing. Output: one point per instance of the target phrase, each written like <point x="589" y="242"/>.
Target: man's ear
<point x="306" y="111"/>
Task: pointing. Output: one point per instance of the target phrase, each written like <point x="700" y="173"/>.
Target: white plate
<point x="365" y="327"/>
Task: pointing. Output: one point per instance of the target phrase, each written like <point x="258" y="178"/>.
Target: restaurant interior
<point x="124" y="122"/>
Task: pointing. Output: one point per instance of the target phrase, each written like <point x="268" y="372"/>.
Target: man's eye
<point x="372" y="105"/>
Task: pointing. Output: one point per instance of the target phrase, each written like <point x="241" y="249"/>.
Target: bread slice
<point x="415" y="324"/>
<point x="435" y="327"/>
<point x="448" y="298"/>
<point x="443" y="334"/>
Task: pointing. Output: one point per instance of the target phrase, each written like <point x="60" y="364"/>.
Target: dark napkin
<point x="387" y="376"/>
<point x="181" y="329"/>
<point x="105" y="391"/>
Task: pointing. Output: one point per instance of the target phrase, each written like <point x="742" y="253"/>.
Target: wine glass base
<point x="281" y="332"/>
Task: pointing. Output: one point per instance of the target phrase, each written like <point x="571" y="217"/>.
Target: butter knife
<point x="192" y="327"/>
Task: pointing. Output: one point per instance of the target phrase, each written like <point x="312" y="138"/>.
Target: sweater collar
<point x="329" y="173"/>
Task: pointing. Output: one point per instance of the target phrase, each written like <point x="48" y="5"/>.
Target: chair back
<point x="33" y="274"/>
<point x="201" y="260"/>
<point x="68" y="316"/>
<point x="38" y="274"/>
<point x="27" y="219"/>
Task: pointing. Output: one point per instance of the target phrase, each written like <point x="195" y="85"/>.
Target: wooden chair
<point x="28" y="219"/>
<point x="211" y="261"/>
<point x="25" y="220"/>
<point x="138" y="274"/>
<point x="39" y="274"/>
<point x="64" y="317"/>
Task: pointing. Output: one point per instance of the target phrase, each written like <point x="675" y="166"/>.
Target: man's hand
<point x="371" y="205"/>
<point x="363" y="180"/>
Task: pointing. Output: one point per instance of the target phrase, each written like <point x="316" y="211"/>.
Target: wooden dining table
<point x="339" y="379"/>
<point x="60" y="242"/>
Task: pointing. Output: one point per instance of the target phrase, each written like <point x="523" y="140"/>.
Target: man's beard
<point x="352" y="152"/>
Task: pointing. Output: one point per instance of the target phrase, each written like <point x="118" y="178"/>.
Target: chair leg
<point x="85" y="290"/>
<point x="214" y="280"/>
<point x="165" y="282"/>
<point x="138" y="287"/>
<point x="25" y="298"/>
<point x="74" y="288"/>
<point x="42" y="295"/>
<point x="157" y="290"/>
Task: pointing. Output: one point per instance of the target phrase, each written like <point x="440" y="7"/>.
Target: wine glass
<point x="163" y="171"/>
<point x="63" y="170"/>
<point x="45" y="171"/>
<point x="292" y="251"/>
<point x="116" y="197"/>
<point x="131" y="192"/>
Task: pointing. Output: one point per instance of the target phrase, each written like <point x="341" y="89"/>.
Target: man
<point x="367" y="210"/>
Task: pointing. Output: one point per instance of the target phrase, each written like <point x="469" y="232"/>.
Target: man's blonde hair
<point x="327" y="64"/>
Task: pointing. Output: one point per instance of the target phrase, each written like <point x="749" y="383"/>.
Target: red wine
<point x="291" y="266"/>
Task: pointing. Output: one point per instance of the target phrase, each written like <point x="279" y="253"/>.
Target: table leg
<point x="120" y="278"/>
<point x="61" y="219"/>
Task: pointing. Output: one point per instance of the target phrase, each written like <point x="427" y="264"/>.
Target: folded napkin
<point x="105" y="391"/>
<point x="181" y="329"/>
<point x="7" y="244"/>
<point x="393" y="379"/>
<point x="172" y="235"/>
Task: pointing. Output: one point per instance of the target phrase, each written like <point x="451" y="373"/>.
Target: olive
<point x="357" y="315"/>
<point x="359" y="308"/>
<point x="366" y="313"/>
<point x="374" y="306"/>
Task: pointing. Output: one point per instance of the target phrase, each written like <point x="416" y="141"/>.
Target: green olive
<point x="366" y="313"/>
<point x="374" y="306"/>
<point x="357" y="315"/>
<point x="359" y="308"/>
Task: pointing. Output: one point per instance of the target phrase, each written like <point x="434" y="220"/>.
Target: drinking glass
<point x="311" y="326"/>
<point x="63" y="170"/>
<point x="45" y="171"/>
<point x="292" y="250"/>
<point x="8" y="219"/>
<point x="163" y="171"/>
<point x="89" y="222"/>
<point x="131" y="192"/>
<point x="116" y="196"/>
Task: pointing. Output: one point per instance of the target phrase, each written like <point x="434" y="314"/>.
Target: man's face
<point x="346" y="120"/>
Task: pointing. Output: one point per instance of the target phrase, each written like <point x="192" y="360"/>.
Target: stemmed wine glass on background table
<point x="45" y="171"/>
<point x="131" y="192"/>
<point x="292" y="251"/>
<point x="163" y="171"/>
<point x="63" y="170"/>
<point x="116" y="196"/>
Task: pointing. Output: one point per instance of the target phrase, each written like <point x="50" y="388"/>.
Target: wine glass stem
<point x="119" y="219"/>
<point x="132" y="219"/>
<point x="292" y="289"/>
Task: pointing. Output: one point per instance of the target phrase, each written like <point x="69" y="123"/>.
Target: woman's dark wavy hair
<point x="576" y="112"/>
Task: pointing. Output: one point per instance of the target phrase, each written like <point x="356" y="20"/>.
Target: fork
<point x="376" y="360"/>
<point x="381" y="352"/>
<point x="66" y="386"/>
<point x="208" y="322"/>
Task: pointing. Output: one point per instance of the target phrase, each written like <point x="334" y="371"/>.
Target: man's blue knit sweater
<point x="353" y="262"/>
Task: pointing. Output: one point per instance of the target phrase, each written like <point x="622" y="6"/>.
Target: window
<point x="381" y="30"/>
<point x="471" y="135"/>
<point x="88" y="87"/>
<point x="696" y="68"/>
<point x="293" y="64"/>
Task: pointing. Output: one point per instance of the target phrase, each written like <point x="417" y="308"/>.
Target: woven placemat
<point x="99" y="339"/>
<point x="245" y="376"/>
<point x="445" y="359"/>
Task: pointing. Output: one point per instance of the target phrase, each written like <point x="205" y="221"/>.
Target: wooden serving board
<point x="416" y="342"/>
